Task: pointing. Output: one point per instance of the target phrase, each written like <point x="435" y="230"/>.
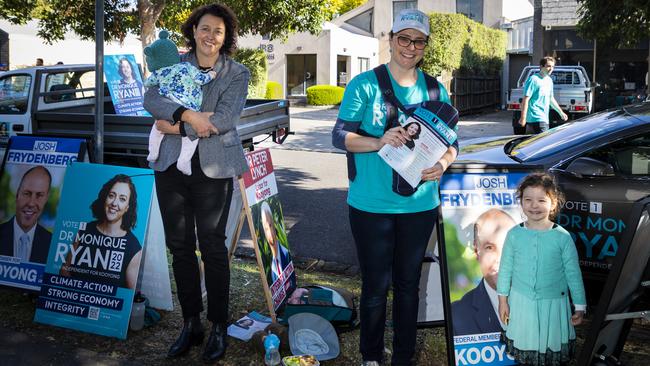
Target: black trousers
<point x="390" y="248"/>
<point x="186" y="202"/>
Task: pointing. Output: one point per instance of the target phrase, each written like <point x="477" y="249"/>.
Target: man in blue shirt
<point x="538" y="96"/>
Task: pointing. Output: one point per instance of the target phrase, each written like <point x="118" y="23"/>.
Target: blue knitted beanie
<point x="161" y="53"/>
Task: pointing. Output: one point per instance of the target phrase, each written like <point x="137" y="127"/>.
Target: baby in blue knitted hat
<point x="179" y="81"/>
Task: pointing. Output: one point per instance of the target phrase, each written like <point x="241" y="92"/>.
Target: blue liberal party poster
<point x="478" y="209"/>
<point x="97" y="246"/>
<point x="30" y="187"/>
<point x="125" y="84"/>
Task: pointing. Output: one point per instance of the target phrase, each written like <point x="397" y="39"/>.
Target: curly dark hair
<point x="218" y="10"/>
<point x="417" y="135"/>
<point x="130" y="217"/>
<point x="548" y="184"/>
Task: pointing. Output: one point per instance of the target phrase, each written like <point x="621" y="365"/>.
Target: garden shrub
<point x="458" y="43"/>
<point x="273" y="90"/>
<point x="324" y="95"/>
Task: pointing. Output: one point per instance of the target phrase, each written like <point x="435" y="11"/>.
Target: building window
<point x="472" y="9"/>
<point x="362" y="21"/>
<point x="401" y="5"/>
<point x="364" y="64"/>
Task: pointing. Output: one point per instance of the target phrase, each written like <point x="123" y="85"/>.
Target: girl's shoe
<point x="370" y="363"/>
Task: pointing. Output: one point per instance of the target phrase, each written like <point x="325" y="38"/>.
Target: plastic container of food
<point x="302" y="360"/>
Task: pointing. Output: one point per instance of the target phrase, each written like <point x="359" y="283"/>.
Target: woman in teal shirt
<point x="391" y="231"/>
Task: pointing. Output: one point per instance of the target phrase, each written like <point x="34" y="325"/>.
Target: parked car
<point x="601" y="162"/>
<point x="572" y="89"/>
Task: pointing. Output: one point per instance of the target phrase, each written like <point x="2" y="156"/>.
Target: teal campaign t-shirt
<point x="371" y="190"/>
<point x="540" y="91"/>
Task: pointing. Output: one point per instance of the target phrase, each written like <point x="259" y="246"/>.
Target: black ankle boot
<point x="216" y="346"/>
<point x="191" y="335"/>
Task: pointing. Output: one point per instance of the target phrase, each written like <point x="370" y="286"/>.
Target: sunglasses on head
<point x="405" y="42"/>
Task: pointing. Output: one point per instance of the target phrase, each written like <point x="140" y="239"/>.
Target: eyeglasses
<point x="405" y="42"/>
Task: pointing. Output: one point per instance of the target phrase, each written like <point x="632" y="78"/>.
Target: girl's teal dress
<point x="538" y="270"/>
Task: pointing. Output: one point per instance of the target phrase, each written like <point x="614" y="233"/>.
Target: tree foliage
<point x="334" y="8"/>
<point x="141" y="17"/>
<point x="255" y="60"/>
<point x="621" y="22"/>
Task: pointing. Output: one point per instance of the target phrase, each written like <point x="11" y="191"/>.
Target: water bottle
<point x="137" y="312"/>
<point x="272" y="348"/>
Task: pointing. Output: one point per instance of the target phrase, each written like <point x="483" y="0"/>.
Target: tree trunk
<point x="149" y="12"/>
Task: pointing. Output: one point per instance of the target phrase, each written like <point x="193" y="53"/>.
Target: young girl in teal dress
<point x="539" y="268"/>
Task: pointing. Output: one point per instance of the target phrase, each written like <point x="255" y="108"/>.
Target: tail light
<point x="514" y="106"/>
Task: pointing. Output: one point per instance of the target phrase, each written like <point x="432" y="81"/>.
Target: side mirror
<point x="590" y="167"/>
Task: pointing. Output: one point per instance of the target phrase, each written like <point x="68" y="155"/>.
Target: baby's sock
<point x="188" y="147"/>
<point x="155" y="139"/>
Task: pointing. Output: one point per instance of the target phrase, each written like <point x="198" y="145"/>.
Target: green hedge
<point x="255" y="61"/>
<point x="273" y="90"/>
<point x="458" y="44"/>
<point x="324" y="95"/>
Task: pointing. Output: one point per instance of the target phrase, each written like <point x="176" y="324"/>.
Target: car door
<point x="599" y="199"/>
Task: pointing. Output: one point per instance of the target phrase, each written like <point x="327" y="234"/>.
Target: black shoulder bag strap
<point x="390" y="101"/>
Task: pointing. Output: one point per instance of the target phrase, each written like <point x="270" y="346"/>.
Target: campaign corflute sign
<point x="268" y="222"/>
<point x="478" y="209"/>
<point x="125" y="85"/>
<point x="30" y="187"/>
<point x="96" y="251"/>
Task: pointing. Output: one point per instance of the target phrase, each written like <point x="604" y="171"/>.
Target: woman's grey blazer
<point x="221" y="155"/>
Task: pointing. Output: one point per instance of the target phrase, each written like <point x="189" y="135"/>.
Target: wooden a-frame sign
<point x="257" y="201"/>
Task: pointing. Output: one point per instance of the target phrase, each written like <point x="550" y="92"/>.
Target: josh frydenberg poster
<point x="125" y="84"/>
<point x="30" y="188"/>
<point x="478" y="211"/>
<point x="268" y="223"/>
<point x="97" y="247"/>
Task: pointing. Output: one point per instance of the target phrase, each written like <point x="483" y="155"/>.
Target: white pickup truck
<point x="572" y="89"/>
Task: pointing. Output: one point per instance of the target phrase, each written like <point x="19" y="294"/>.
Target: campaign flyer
<point x="430" y="138"/>
<point x="30" y="189"/>
<point x="97" y="247"/>
<point x="478" y="209"/>
<point x="125" y="85"/>
<point x="268" y="221"/>
<point x="245" y="327"/>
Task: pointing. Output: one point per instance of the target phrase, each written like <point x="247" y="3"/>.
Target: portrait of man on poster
<point x="477" y="311"/>
<point x="280" y="256"/>
<point x="22" y="236"/>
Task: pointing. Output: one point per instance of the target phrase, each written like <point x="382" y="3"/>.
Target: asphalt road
<point x="312" y="182"/>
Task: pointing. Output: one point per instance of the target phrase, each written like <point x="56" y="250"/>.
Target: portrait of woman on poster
<point x="128" y="76"/>
<point x="196" y="206"/>
<point x="413" y="130"/>
<point x="115" y="211"/>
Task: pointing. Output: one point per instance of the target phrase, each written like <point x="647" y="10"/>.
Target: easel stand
<point x="246" y="211"/>
<point x="627" y="283"/>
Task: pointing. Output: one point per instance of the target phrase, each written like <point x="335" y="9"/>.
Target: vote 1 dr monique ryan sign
<point x="97" y="247"/>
